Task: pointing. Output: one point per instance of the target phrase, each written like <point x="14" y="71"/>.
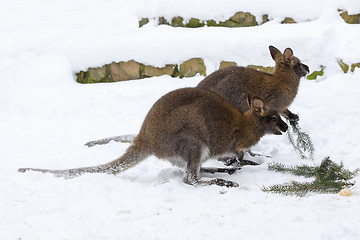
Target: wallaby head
<point x="288" y="60"/>
<point x="270" y="119"/>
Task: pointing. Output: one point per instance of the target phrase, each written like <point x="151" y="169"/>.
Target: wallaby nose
<point x="306" y="68"/>
<point x="284" y="127"/>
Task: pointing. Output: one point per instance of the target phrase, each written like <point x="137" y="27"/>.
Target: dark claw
<point x="224" y="183"/>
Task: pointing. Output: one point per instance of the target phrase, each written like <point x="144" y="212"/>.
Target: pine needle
<point x="300" y="140"/>
<point x="329" y="177"/>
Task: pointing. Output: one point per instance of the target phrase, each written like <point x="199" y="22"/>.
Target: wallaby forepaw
<point x="293" y="117"/>
<point x="229" y="161"/>
<point x="224" y="183"/>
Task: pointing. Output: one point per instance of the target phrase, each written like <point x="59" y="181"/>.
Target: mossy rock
<point x="150" y="71"/>
<point x="261" y="68"/>
<point x="177" y="22"/>
<point x="224" y="64"/>
<point x="192" y="67"/>
<point x="244" y="19"/>
<point x="123" y="71"/>
<point x="94" y="75"/>
<point x="143" y="21"/>
<point x="265" y="18"/>
<point x="229" y="24"/>
<point x="343" y="66"/>
<point x="195" y="23"/>
<point x="355" y="65"/>
<point x="288" y="20"/>
<point x="211" y="23"/>
<point x="163" y="21"/>
<point x="315" y="74"/>
<point x="350" y="19"/>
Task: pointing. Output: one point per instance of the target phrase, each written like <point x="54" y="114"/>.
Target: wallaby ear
<point x="275" y="53"/>
<point x="258" y="105"/>
<point x="288" y="54"/>
<point x="249" y="100"/>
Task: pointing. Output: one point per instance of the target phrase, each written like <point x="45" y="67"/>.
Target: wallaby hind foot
<point x="220" y="170"/>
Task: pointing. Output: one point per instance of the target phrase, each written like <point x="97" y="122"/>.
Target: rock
<point x="261" y="68"/>
<point x="163" y="21"/>
<point x="229" y="24"/>
<point x="177" y="22"/>
<point x="244" y="19"/>
<point x="97" y="74"/>
<point x="93" y="75"/>
<point x="288" y="20"/>
<point x="351" y="19"/>
<point x="211" y="23"/>
<point x="150" y="71"/>
<point x="224" y="64"/>
<point x="192" y="67"/>
<point x="265" y="18"/>
<point x="123" y="71"/>
<point x="194" y="23"/>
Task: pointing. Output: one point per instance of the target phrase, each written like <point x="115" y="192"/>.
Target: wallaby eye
<point x="274" y="118"/>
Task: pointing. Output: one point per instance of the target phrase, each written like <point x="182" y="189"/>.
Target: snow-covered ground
<point x="46" y="117"/>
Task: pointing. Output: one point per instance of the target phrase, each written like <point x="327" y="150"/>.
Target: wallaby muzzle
<point x="283" y="127"/>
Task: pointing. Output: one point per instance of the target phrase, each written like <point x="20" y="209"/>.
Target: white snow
<point x="46" y="117"/>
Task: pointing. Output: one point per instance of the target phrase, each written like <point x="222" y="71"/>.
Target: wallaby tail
<point x="131" y="157"/>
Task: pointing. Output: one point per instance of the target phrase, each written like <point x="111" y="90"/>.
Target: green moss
<point x="350" y="19"/>
<point x="143" y="21"/>
<point x="229" y="24"/>
<point x="194" y="23"/>
<point x="343" y="66"/>
<point x="354" y="65"/>
<point x="211" y="23"/>
<point x="315" y="74"/>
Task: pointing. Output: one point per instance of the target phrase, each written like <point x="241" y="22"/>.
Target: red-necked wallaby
<point x="188" y="126"/>
<point x="278" y="89"/>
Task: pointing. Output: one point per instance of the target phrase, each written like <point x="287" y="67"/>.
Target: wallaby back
<point x="278" y="89"/>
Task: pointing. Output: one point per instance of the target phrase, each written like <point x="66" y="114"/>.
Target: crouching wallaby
<point x="188" y="126"/>
<point x="278" y="89"/>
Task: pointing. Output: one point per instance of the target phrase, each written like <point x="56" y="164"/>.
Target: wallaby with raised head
<point x="188" y="126"/>
<point x="278" y="89"/>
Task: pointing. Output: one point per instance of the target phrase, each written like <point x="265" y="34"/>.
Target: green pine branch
<point x="329" y="177"/>
<point x="300" y="140"/>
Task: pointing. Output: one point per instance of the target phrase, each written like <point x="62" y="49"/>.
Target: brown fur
<point x="278" y="89"/>
<point x="188" y="126"/>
